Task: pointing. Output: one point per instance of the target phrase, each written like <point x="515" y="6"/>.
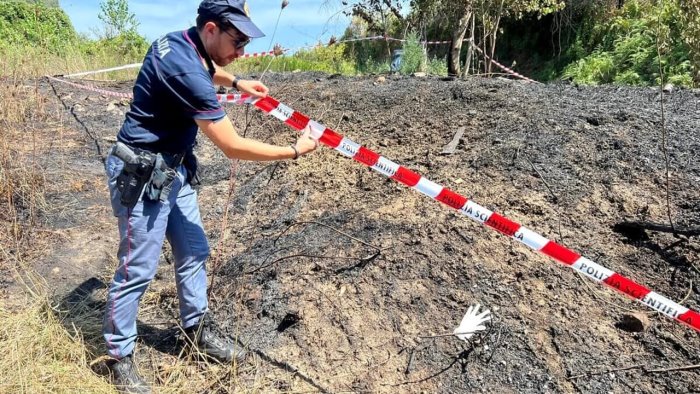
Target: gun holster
<point x="191" y="165"/>
<point x="134" y="177"/>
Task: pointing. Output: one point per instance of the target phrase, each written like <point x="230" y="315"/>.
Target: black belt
<point x="172" y="160"/>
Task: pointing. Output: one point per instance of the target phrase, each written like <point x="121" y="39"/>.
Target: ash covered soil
<point x="335" y="275"/>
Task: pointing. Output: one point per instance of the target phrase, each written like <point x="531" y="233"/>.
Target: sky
<point x="301" y="23"/>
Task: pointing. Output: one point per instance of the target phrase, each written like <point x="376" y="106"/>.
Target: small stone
<point x="56" y="270"/>
<point x="634" y="322"/>
<point x="668" y="88"/>
<point x="381" y="80"/>
<point x="420" y="75"/>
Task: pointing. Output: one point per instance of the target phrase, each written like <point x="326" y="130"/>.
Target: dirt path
<point x="569" y="162"/>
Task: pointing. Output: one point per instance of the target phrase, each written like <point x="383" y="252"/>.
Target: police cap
<point x="235" y="12"/>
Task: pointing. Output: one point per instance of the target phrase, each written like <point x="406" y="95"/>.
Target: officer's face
<point x="230" y="45"/>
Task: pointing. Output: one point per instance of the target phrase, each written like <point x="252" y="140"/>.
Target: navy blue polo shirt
<point x="172" y="89"/>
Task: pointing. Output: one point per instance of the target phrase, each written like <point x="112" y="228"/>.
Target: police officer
<point x="174" y="96"/>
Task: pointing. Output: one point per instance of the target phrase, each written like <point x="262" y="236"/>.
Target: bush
<point x="35" y="25"/>
<point x="414" y="58"/>
<point x="129" y="46"/>
<point x="627" y="48"/>
<point x="328" y="59"/>
<point x="596" y="68"/>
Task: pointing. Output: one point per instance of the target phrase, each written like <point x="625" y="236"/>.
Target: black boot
<point x="126" y="378"/>
<point x="208" y="342"/>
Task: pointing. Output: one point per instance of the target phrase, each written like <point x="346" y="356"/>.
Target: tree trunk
<point x="470" y="51"/>
<point x="458" y="33"/>
<point x="494" y="36"/>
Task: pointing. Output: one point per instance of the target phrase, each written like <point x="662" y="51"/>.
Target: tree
<point x="120" y="33"/>
<point x="434" y="19"/>
<point x="117" y="18"/>
<point x="690" y="18"/>
<point x="47" y="3"/>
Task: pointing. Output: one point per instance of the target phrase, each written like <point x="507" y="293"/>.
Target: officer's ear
<point x="210" y="28"/>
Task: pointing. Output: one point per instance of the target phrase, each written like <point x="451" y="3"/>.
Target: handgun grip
<point x="125" y="153"/>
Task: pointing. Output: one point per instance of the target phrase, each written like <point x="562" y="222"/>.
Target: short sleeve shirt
<point x="172" y="90"/>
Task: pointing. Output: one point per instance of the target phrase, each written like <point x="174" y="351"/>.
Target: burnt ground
<point x="298" y="276"/>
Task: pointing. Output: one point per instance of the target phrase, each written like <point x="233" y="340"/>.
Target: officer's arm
<point x="252" y="87"/>
<point x="224" y="135"/>
<point x="223" y="77"/>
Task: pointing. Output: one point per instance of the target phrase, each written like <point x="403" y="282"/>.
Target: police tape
<point x="504" y="68"/>
<point x="469" y="208"/>
<point x="472" y="210"/>
<point x="104" y="70"/>
<point x="91" y="88"/>
<point x="137" y="65"/>
<point x="499" y="65"/>
<point x="276" y="52"/>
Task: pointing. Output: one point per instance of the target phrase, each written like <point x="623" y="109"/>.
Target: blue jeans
<point x="142" y="231"/>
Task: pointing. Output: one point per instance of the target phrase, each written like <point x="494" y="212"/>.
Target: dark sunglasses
<point x="239" y="44"/>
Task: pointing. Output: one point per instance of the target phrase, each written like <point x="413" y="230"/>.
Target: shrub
<point x="414" y="58"/>
<point x="35" y="25"/>
<point x="329" y="59"/>
<point x="628" y="46"/>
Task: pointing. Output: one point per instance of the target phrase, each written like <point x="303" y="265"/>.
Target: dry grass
<point x="57" y="346"/>
<point x="36" y="62"/>
<point x="40" y="355"/>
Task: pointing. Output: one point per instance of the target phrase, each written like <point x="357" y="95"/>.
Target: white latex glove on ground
<point x="472" y="322"/>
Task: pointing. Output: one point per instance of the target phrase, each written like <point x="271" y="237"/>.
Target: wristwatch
<point x="234" y="84"/>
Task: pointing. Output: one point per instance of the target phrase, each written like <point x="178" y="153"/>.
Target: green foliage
<point x="437" y="66"/>
<point x="35" y="25"/>
<point x="329" y="59"/>
<point x="414" y="58"/>
<point x="130" y="46"/>
<point x="120" y="34"/>
<point x="32" y="31"/>
<point x="596" y="68"/>
<point x="369" y="56"/>
<point x="690" y="21"/>
<point x="48" y="3"/>
<point x="117" y="18"/>
<point x="628" y="46"/>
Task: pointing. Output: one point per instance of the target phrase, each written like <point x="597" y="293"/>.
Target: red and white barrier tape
<point x="472" y="210"/>
<point x="104" y="70"/>
<point x="499" y="65"/>
<point x="422" y="42"/>
<point x="91" y="88"/>
<point x="448" y="197"/>
<point x="262" y="54"/>
<point x="504" y="68"/>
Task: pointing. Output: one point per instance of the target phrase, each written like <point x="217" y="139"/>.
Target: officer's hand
<point x="306" y="143"/>
<point x="252" y="87"/>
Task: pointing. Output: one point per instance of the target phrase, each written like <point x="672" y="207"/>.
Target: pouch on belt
<point x="158" y="189"/>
